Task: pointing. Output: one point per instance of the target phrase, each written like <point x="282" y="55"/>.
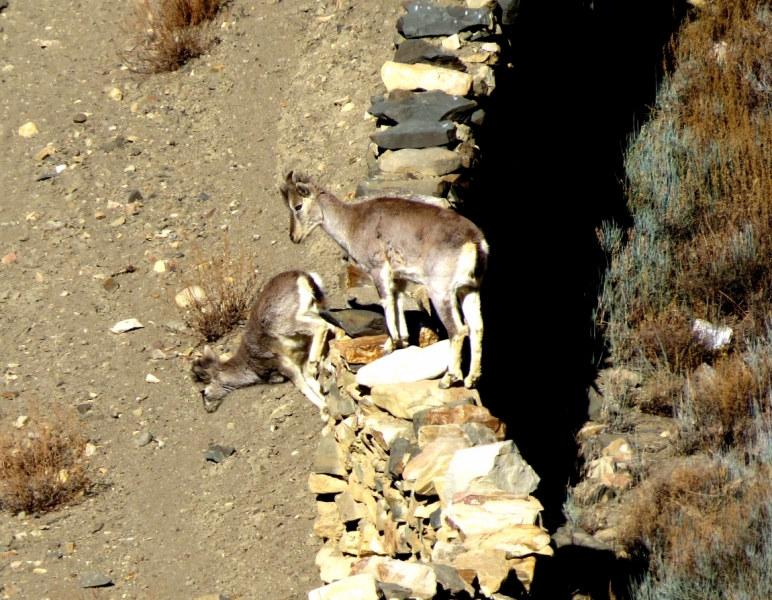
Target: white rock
<point x="474" y="513"/>
<point x="420" y="579"/>
<point x="358" y="587"/>
<point x="150" y="378"/>
<point x="126" y="325"/>
<point x="452" y="42"/>
<point x="159" y="266"/>
<point x="398" y="76"/>
<point x="406" y="365"/>
<point x="115" y="94"/>
<point x="20" y="421"/>
<point x="714" y="337"/>
<point x="499" y="465"/>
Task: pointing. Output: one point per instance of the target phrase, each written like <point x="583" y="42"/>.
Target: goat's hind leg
<point x="446" y="305"/>
<point x="470" y="306"/>
<point x="388" y="293"/>
<point x="310" y="388"/>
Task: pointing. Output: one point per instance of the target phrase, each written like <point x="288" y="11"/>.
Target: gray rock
<point x="356" y="322"/>
<point x="328" y="458"/>
<point x="435" y="520"/>
<point x="44" y="176"/>
<point x="3" y="4"/>
<point x="416" y="133"/>
<point x="426" y="186"/>
<point x="204" y="196"/>
<point x="95" y="579"/>
<point x="84" y="407"/>
<point x="80" y="117"/>
<point x="509" y="10"/>
<point x="392" y="591"/>
<point x="435" y="105"/>
<point x="448" y="578"/>
<point x="478" y="117"/>
<point x="144" y="439"/>
<point x="218" y="453"/>
<point x="117" y="143"/>
<point x="412" y="52"/>
<point x="134" y="196"/>
<point x="400" y="453"/>
<point x="425" y="19"/>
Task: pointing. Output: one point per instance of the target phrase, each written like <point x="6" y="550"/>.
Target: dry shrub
<point x="42" y="465"/>
<point x="706" y="529"/>
<point x="228" y="285"/>
<point x="165" y="34"/>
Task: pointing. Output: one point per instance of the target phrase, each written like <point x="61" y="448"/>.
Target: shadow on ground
<point x="582" y="77"/>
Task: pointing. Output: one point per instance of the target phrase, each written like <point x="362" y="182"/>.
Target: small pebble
<point x="144" y="439"/>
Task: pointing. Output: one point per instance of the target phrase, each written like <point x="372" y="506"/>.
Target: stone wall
<point x="419" y="492"/>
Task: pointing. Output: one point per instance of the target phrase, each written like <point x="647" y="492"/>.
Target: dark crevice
<point x="582" y="80"/>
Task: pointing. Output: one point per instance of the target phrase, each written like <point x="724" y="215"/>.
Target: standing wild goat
<point x="283" y="339"/>
<point x="396" y="241"/>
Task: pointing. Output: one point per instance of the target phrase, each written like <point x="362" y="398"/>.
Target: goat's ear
<point x="209" y="356"/>
<point x="284" y="191"/>
<point x="303" y="189"/>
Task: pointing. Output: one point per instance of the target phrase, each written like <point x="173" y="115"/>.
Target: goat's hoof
<point x="470" y="381"/>
<point x="447" y="381"/>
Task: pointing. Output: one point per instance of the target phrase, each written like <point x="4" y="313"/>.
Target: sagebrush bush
<point x="43" y="464"/>
<point x="699" y="178"/>
<point x="228" y="285"/>
<point x="165" y="34"/>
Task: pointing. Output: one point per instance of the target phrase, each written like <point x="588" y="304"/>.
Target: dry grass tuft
<point x="42" y="465"/>
<point x="220" y="292"/>
<point x="165" y="34"/>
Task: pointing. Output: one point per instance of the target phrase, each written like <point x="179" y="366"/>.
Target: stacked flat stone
<point x="440" y="73"/>
<point x="419" y="492"/>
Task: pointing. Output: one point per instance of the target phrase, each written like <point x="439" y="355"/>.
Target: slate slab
<point x="416" y="133"/>
<point x="95" y="579"/>
<point x="435" y="105"/>
<point x="412" y="52"/>
<point x="424" y="19"/>
<point x="356" y="322"/>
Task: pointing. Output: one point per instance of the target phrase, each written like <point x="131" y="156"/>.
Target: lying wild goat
<point x="283" y="339"/>
<point x="397" y="240"/>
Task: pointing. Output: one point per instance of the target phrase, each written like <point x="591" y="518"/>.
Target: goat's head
<point x="300" y="194"/>
<point x="206" y="370"/>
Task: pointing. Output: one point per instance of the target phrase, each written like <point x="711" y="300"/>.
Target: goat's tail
<point x="313" y="284"/>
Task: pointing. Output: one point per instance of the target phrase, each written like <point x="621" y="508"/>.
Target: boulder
<point x="405" y="399"/>
<point x="416" y="134"/>
<point x="499" y="465"/>
<point x="474" y="513"/>
<point x="406" y="365"/>
<point x="435" y="187"/>
<point x="357" y="587"/>
<point x="431" y="162"/>
<point x="319" y="483"/>
<point x="419" y="579"/>
<point x="398" y="76"/>
<point x="426" y="106"/>
<point x="428" y="469"/>
<point x="425" y="19"/>
<point x="515" y="541"/>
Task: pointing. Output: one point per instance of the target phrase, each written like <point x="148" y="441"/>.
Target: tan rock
<point x="431" y="433"/>
<point x="29" y="129"/>
<point x="358" y="587"/>
<point x="496" y="466"/>
<point x="325" y="484"/>
<point x="601" y="466"/>
<point x="371" y="541"/>
<point x="447" y="552"/>
<point x="466" y="413"/>
<point x="336" y="568"/>
<point x="484" y="81"/>
<point x="524" y="569"/>
<point x="385" y="429"/>
<point x="348" y="508"/>
<point x="361" y="350"/>
<point x="619" y="481"/>
<point x="420" y="579"/>
<point x="45" y="152"/>
<point x="405" y="399"/>
<point x="432" y="162"/>
<point x="329" y="458"/>
<point x="430" y="466"/>
<point x="620" y="450"/>
<point x="515" y="541"/>
<point x="473" y="513"/>
<point x="115" y="94"/>
<point x="191" y="296"/>
<point x="329" y="524"/>
<point x="398" y="76"/>
<point x="350" y="542"/>
<point x="491" y="567"/>
<point x="452" y="42"/>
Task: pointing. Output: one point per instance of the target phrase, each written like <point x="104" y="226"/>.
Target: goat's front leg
<point x="401" y="321"/>
<point x="320" y="329"/>
<point x="310" y="388"/>
<point x="384" y="283"/>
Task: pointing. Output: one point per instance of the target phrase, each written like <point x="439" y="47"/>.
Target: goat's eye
<point x="298" y="207"/>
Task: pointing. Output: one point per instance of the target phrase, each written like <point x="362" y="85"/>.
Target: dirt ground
<point x="204" y="146"/>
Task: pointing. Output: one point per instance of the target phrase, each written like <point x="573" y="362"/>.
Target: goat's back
<point x="415" y="230"/>
<point x="280" y="301"/>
